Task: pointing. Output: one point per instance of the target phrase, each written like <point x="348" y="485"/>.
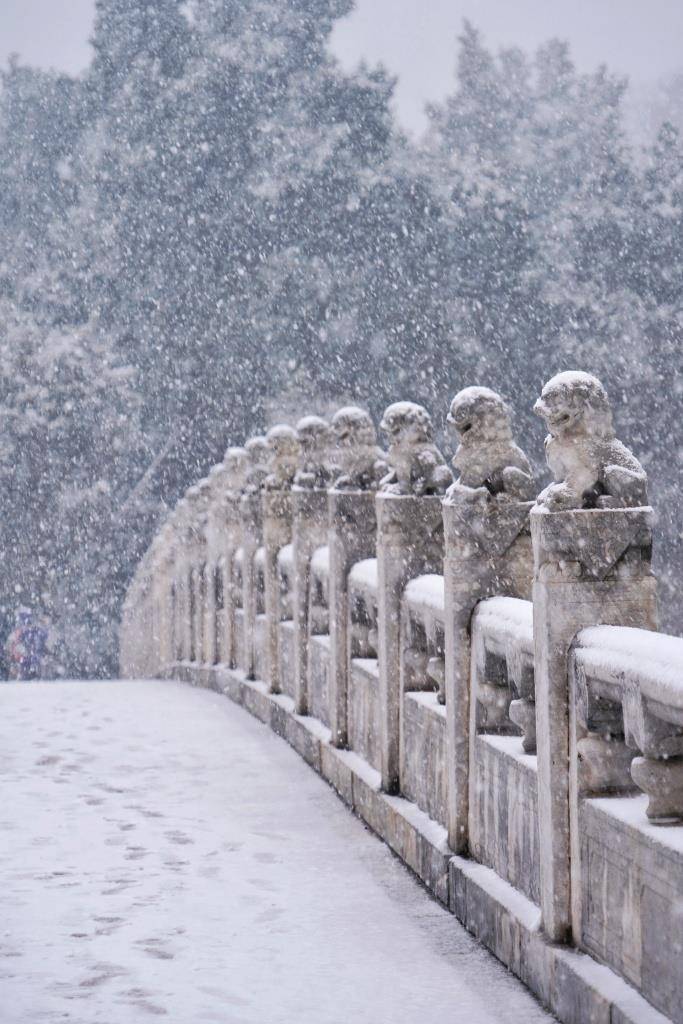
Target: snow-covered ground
<point x="164" y="854"/>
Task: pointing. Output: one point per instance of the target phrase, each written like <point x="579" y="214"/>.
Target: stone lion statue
<point x="315" y="439"/>
<point x="362" y="461"/>
<point x="487" y="462"/>
<point x="258" y="457"/>
<point x="283" y="448"/>
<point x="229" y="476"/>
<point x="416" y="466"/>
<point x="591" y="468"/>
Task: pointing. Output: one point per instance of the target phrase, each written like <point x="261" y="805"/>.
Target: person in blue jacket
<point x="26" y="646"/>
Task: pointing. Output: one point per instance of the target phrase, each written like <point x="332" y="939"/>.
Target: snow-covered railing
<point x="510" y="725"/>
<point x="628" y="686"/>
<point x="503" y="667"/>
<point x="423" y="645"/>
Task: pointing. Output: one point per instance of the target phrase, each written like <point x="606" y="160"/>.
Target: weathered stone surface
<point x="423" y="754"/>
<point x="318" y="674"/>
<point x="286" y="682"/>
<point x="504" y="811"/>
<point x="363" y="722"/>
<point x="632" y="879"/>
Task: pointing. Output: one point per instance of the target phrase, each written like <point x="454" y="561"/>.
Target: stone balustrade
<point x="476" y="673"/>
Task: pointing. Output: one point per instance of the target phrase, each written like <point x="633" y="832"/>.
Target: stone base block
<point x="504" y="811"/>
<point x="631" y="885"/>
<point x="318" y="675"/>
<point x="286" y="646"/>
<point x="423" y="753"/>
<point x="363" y="709"/>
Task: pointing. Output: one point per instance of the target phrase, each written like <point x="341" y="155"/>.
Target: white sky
<point x="413" y="38"/>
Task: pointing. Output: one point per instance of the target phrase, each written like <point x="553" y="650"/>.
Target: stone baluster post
<point x="225" y="533"/>
<point x="277" y="533"/>
<point x="252" y="535"/>
<point x="162" y="584"/>
<point x="592" y="538"/>
<point x="309" y="531"/>
<point x="487" y="552"/>
<point x="352" y="537"/>
<point x="309" y="517"/>
<point x="409" y="544"/>
<point x="251" y="538"/>
<point x="214" y="533"/>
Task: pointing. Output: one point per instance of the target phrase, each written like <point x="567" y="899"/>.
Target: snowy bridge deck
<point x="166" y="855"/>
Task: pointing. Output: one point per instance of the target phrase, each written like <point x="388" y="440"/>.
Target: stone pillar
<point x="309" y="531"/>
<point x="591" y="567"/>
<point x="409" y="544"/>
<point x="252" y="534"/>
<point x="231" y="541"/>
<point x="352" y="537"/>
<point x="487" y="552"/>
<point x="277" y="532"/>
<point x="186" y="604"/>
<point x="164" y="568"/>
<point x="592" y="540"/>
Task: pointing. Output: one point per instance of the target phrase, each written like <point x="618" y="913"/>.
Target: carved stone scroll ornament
<point x="416" y="466"/>
<point x="592" y="469"/>
<point x="361" y="461"/>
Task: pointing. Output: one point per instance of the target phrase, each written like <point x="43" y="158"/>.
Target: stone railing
<point x="476" y="675"/>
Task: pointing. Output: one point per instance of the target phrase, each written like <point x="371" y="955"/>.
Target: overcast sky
<point x="414" y="38"/>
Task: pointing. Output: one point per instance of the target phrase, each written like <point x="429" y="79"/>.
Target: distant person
<point x="26" y="646"/>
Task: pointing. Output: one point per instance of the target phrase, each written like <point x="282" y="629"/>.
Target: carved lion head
<point x="406" y="423"/>
<point x="573" y="403"/>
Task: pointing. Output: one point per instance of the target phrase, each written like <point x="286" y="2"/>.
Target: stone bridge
<point x="473" y="668"/>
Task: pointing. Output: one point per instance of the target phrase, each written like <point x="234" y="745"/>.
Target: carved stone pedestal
<point x="309" y="531"/>
<point x="277" y="532"/>
<point x="591" y="567"/>
<point x="409" y="544"/>
<point x="352" y="537"/>
<point x="487" y="552"/>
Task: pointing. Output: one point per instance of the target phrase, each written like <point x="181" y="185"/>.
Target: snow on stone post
<point x="487" y="552"/>
<point x="352" y="537"/>
<point x="409" y="543"/>
<point x="592" y="541"/>
<point x="251" y="509"/>
<point x="309" y="530"/>
<point x="277" y="532"/>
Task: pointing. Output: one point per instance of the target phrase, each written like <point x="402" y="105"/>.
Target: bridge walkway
<point x="165" y="855"/>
